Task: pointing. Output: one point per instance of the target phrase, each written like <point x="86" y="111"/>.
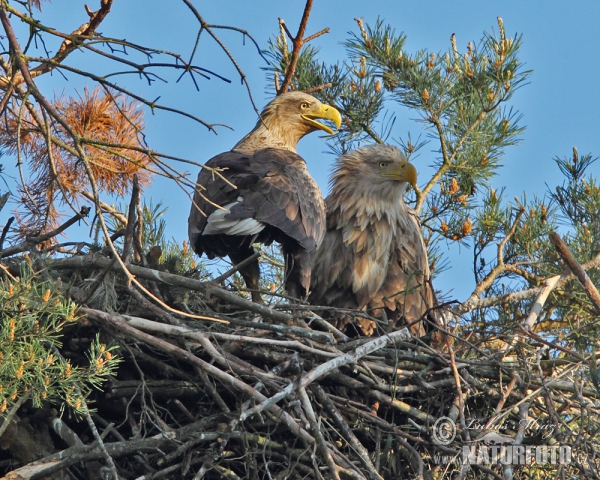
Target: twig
<point x="403" y="407"/>
<point x="139" y="234"/>
<point x="207" y="288"/>
<point x="86" y="413"/>
<point x="207" y="27"/>
<point x="272" y="400"/>
<point x="5" y="232"/>
<point x="354" y="356"/>
<point x="165" y="316"/>
<point x="80" y="153"/>
<point x="478" y="303"/>
<point x="318" y="88"/>
<point x="212" y="391"/>
<point x="193" y="334"/>
<point x="338" y="362"/>
<point x="3" y="199"/>
<point x="343" y="426"/>
<point x="537" y="338"/>
<point x="119" y="323"/>
<point x="316" y="430"/>
<point x="107" y="457"/>
<point x="540" y="300"/>
<point x="523" y="410"/>
<point x="447" y="159"/>
<point x="459" y="392"/>
<point x="297" y="43"/>
<point x="500" y="266"/>
<point x="26" y="245"/>
<point x="70" y="43"/>
<point x="502" y="400"/>
<point x="236" y="268"/>
<point x="12" y="412"/>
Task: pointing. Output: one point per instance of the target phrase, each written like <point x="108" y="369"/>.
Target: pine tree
<point x="210" y="383"/>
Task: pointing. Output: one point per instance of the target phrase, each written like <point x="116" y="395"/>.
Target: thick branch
<point x="576" y="268"/>
<point x="191" y="284"/>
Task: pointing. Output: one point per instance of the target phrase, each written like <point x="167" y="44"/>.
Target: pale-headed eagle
<point x="268" y="196"/>
<point x="373" y="256"/>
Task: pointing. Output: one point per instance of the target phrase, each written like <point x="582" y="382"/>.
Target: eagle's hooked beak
<point x="401" y="171"/>
<point x="326" y="112"/>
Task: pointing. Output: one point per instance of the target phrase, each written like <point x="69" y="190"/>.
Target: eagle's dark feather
<point x="276" y="189"/>
<point x="265" y="193"/>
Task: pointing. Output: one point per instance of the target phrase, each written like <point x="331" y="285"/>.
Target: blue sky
<point x="560" y="104"/>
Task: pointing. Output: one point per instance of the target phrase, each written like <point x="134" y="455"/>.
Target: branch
<point x="347" y="431"/>
<point x="207" y="288"/>
<point x="576" y="268"/>
<point x="237" y="268"/>
<point x="311" y="90"/>
<point x="447" y="163"/>
<point x="298" y="43"/>
<point x="317" y="431"/>
<point x="129" y="228"/>
<point x="26" y="245"/>
<point x="500" y="267"/>
<point x="547" y="287"/>
<point x="5" y="231"/>
<point x="335" y="363"/>
<point x="403" y="407"/>
<point x="207" y="27"/>
<point x="474" y="303"/>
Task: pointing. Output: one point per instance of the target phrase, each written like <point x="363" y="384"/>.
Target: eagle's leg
<point x="298" y="263"/>
<point x="250" y="273"/>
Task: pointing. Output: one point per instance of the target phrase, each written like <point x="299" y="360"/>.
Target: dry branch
<point x="577" y="269"/>
<point x="70" y="43"/>
<point x="26" y="245"/>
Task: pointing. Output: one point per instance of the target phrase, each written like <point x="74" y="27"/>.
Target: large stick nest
<point x="275" y="392"/>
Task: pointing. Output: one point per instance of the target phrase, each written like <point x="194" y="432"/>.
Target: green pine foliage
<point x="463" y="103"/>
<point x="33" y="316"/>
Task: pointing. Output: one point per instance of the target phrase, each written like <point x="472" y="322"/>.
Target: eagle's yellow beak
<point x="326" y="112"/>
<point x="401" y="171"/>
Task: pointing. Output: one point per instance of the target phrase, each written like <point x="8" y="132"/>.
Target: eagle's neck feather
<point x="361" y="203"/>
<point x="272" y="131"/>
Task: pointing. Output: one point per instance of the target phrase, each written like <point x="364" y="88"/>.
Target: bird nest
<point x="216" y="386"/>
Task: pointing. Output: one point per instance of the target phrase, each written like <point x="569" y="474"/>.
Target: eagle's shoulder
<point x="271" y="186"/>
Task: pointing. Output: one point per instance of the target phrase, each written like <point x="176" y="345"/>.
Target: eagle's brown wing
<point x="406" y="291"/>
<point x="272" y="187"/>
<point x="269" y="196"/>
<point x="287" y="198"/>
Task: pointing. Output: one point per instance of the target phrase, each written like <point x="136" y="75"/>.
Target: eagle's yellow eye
<point x="304" y="105"/>
<point x="382" y="164"/>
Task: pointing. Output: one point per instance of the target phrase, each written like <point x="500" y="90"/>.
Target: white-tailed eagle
<point x="373" y="256"/>
<point x="266" y="194"/>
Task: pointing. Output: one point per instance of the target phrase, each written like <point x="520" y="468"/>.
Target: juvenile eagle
<point x="373" y="256"/>
<point x="268" y="196"/>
